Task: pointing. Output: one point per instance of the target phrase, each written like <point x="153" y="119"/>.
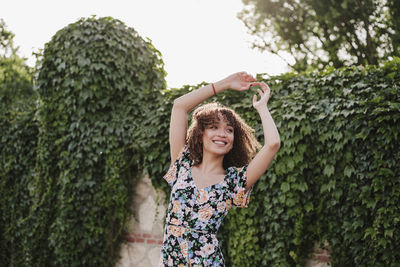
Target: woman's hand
<point x="240" y="81"/>
<point x="264" y="96"/>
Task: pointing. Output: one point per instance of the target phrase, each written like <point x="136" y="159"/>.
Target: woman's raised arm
<point x="264" y="157"/>
<point x="183" y="105"/>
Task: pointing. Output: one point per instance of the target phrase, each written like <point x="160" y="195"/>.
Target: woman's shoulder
<point x="184" y="155"/>
<point x="235" y="170"/>
<point x="234" y="173"/>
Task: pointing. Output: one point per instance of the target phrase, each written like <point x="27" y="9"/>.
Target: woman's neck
<point x="211" y="164"/>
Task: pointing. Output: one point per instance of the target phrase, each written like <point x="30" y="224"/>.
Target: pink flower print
<point x="202" y="197"/>
<point x="176" y="206"/>
<point x="176" y="221"/>
<point x="208" y="249"/>
<point x="170" y="175"/>
<point x="203" y="239"/>
<point x="239" y="199"/>
<point x="221" y="206"/>
<point x="205" y="213"/>
<point x="184" y="248"/>
<point x="228" y="204"/>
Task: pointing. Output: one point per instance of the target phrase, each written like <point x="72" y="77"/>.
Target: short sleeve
<point x="238" y="179"/>
<point x="183" y="159"/>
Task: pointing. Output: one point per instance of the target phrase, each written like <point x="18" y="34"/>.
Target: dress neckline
<point x="208" y="186"/>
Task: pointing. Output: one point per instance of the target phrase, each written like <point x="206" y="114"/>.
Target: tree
<point x="6" y="40"/>
<point x="16" y="89"/>
<point x="325" y="33"/>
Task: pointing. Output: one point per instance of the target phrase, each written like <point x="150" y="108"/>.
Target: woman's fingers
<point x="255" y="96"/>
<point x="245" y="87"/>
<point x="264" y="94"/>
<point x="251" y="78"/>
<point x="240" y="81"/>
<point x="264" y="86"/>
<point x="254" y="99"/>
<point x="247" y="77"/>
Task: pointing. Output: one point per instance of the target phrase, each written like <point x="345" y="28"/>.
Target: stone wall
<point x="145" y="231"/>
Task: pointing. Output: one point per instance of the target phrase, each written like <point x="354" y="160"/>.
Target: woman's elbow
<point x="179" y="104"/>
<point x="274" y="145"/>
<point x="176" y="103"/>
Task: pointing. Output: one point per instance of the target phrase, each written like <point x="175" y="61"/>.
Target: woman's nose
<point x="221" y="132"/>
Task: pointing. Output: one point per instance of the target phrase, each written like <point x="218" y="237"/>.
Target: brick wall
<point x="140" y="238"/>
<point x="320" y="256"/>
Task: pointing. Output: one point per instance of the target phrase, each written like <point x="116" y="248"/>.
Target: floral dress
<point x="194" y="215"/>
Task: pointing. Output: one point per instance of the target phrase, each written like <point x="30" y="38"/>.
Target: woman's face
<point x="218" y="137"/>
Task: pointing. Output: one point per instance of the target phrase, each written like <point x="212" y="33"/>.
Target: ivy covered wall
<point x="336" y="176"/>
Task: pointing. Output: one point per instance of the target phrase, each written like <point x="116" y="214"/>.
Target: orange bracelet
<point x="215" y="93"/>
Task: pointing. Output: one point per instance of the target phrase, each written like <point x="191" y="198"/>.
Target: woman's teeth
<point x="220" y="142"/>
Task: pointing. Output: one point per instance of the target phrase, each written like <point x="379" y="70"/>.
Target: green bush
<point x="18" y="154"/>
<point x="335" y="177"/>
<point x="96" y="78"/>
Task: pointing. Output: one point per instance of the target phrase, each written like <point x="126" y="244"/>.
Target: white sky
<point x="200" y="40"/>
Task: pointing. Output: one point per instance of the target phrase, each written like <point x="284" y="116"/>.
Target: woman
<point x="212" y="169"/>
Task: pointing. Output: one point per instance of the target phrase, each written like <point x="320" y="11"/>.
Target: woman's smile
<point x="219" y="142"/>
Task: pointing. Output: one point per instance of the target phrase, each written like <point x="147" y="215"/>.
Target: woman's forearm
<point x="271" y="134"/>
<point x="190" y="100"/>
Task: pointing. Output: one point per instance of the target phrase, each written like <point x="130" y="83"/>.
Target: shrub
<point x="18" y="154"/>
<point x="96" y="78"/>
<point x="18" y="141"/>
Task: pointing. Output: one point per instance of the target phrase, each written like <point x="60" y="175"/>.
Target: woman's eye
<point x="230" y="130"/>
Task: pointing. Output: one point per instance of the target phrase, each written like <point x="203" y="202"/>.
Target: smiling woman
<point x="212" y="170"/>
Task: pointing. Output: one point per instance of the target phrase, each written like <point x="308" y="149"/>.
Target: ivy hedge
<point x="336" y="176"/>
<point x="68" y="165"/>
<point x="19" y="133"/>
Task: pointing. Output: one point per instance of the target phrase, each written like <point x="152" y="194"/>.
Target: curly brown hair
<point x="245" y="144"/>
